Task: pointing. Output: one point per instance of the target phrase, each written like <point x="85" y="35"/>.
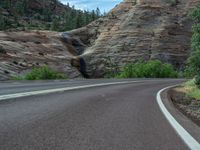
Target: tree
<point x="98" y="12"/>
<point x="2" y="23"/>
<point x="67" y="21"/>
<point x="194" y="59"/>
<point x="93" y="15"/>
<point x="80" y="20"/>
<point x="6" y="4"/>
<point x="45" y="17"/>
<point x="19" y="7"/>
<point x="55" y="24"/>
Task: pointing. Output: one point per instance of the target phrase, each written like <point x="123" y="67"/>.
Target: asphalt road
<point x="115" y="117"/>
<point x="27" y="86"/>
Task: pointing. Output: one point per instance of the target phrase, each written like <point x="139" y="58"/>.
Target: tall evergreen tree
<point x="98" y="13"/>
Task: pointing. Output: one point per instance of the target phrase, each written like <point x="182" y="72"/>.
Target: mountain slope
<point x="42" y="14"/>
<point x="138" y="30"/>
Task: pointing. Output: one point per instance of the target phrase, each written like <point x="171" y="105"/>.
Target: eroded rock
<point x="138" y="30"/>
<point x="25" y="50"/>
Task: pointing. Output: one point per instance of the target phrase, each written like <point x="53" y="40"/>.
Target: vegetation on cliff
<point x="187" y="96"/>
<point x="194" y="59"/>
<point x="43" y="15"/>
<point x="192" y="90"/>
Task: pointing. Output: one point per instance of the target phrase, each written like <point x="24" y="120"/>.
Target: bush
<point x="197" y="81"/>
<point x="188" y="72"/>
<point x="195" y="14"/>
<point x="42" y="73"/>
<point x="194" y="59"/>
<point x="192" y="89"/>
<point x="149" y="69"/>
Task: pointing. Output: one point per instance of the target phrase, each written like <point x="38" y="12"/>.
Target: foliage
<point x="149" y="69"/>
<point x="4" y="23"/>
<point x="56" y="17"/>
<point x="191" y="89"/>
<point x="194" y="59"/>
<point x="195" y="14"/>
<point x="188" y="72"/>
<point x="42" y="73"/>
<point x="197" y="81"/>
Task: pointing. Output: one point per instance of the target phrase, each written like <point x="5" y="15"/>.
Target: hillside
<point x="42" y="15"/>
<point x="132" y="31"/>
<point x="138" y="30"/>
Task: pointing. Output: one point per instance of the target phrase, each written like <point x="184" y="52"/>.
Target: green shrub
<point x="192" y="89"/>
<point x="17" y="78"/>
<point x="149" y="69"/>
<point x="195" y="13"/>
<point x="197" y="81"/>
<point x="194" y="59"/>
<point x="42" y="73"/>
<point x="188" y="72"/>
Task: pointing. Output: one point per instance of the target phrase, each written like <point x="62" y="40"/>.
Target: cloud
<point x="104" y="5"/>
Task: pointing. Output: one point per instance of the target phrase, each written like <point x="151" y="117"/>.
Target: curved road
<point x="114" y="117"/>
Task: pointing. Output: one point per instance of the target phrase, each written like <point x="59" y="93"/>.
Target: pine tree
<point x="93" y="15"/>
<point x="55" y="25"/>
<point x="44" y="17"/>
<point x="98" y="13"/>
<point x="2" y="23"/>
<point x="67" y="21"/>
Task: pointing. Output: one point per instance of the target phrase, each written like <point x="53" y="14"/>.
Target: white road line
<point x="32" y="93"/>
<point x="185" y="136"/>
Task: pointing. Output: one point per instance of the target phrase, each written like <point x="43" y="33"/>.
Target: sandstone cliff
<point x="21" y="51"/>
<point x="138" y="30"/>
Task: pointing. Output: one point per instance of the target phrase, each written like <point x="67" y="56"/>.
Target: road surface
<point x="114" y="117"/>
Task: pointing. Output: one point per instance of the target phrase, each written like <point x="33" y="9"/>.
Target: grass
<point x="191" y="89"/>
<point x="41" y="73"/>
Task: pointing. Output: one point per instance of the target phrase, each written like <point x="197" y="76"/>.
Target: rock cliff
<point x="21" y="51"/>
<point x="138" y="30"/>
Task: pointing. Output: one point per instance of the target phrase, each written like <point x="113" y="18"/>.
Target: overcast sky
<point x="104" y="5"/>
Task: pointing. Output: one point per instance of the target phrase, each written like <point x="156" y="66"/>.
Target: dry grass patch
<point x="190" y="89"/>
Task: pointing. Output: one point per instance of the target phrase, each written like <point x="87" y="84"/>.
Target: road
<point x="114" y="117"/>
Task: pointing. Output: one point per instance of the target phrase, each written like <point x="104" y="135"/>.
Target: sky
<point x="104" y="5"/>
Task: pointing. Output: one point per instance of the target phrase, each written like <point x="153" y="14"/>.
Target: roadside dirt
<point x="188" y="106"/>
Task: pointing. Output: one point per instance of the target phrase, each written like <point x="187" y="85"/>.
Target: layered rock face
<point x="138" y="30"/>
<point x="21" y="51"/>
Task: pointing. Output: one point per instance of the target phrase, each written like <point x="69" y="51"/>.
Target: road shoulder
<point x="185" y="123"/>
